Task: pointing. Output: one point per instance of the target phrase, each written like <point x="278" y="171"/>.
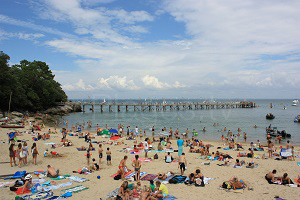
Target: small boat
<point x="11" y="126"/>
<point x="270" y="116"/>
<point x="273" y="132"/>
<point x="294" y="104"/>
<point x="297" y="119"/>
<point x="296" y="101"/>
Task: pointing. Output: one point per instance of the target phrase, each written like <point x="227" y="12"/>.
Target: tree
<point x="32" y="84"/>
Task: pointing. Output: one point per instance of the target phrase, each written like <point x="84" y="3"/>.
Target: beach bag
<point x="226" y="185"/>
<point x="118" y="177"/>
<point x="22" y="155"/>
<point x="156" y="156"/>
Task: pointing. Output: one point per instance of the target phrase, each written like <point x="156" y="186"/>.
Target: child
<point x="152" y="186"/>
<point x="88" y="156"/>
<point x="95" y="166"/>
<point x="46" y="153"/>
<point x="108" y="156"/>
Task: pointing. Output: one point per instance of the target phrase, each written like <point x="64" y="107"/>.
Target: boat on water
<point x="297" y="119"/>
<point x="295" y="102"/>
<point x="270" y="116"/>
<point x="11" y="126"/>
<point x="273" y="132"/>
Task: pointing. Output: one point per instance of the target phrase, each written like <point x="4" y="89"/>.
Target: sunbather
<point x="286" y="180"/>
<point x="51" y="172"/>
<point x="270" y="177"/>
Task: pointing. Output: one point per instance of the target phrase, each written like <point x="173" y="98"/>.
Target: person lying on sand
<point x="236" y="184"/>
<point x="51" y="172"/>
<point x="239" y="163"/>
<point x="270" y="177"/>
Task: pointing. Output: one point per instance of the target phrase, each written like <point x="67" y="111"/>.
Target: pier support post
<point x="126" y="108"/>
<point x="83" y="108"/>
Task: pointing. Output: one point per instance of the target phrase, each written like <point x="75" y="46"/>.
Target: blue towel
<point x="18" y="174"/>
<point x="298" y="163"/>
<point x="226" y="149"/>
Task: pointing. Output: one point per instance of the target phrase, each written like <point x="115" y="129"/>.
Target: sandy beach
<point x="72" y="160"/>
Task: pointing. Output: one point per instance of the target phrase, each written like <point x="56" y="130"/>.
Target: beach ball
<point x="98" y="177"/>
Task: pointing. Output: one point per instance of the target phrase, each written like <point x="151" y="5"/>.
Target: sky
<point x="159" y="48"/>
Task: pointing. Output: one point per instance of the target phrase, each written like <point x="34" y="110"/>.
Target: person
<point x="152" y="186"/>
<point x="286" y="180"/>
<point x="12" y="156"/>
<point x="199" y="178"/>
<point x="108" y="156"/>
<point x="180" y="146"/>
<point x="11" y="137"/>
<point x="100" y="152"/>
<point x="51" y="172"/>
<point x="122" y="191"/>
<point x="270" y="177"/>
<point x="95" y="166"/>
<point x="25" y="152"/>
<point x="245" y="137"/>
<point x="270" y="148"/>
<point x="146" y="147"/>
<point x="168" y="158"/>
<point x="34" y="152"/>
<point x="136" y="164"/>
<point x="162" y="190"/>
<point x="123" y="167"/>
<point x="170" y="133"/>
<point x="20" y="154"/>
<point x="88" y="156"/>
<point x="153" y="130"/>
<point x="288" y="145"/>
<point x="182" y="163"/>
<point x="27" y="184"/>
<point x="236" y="184"/>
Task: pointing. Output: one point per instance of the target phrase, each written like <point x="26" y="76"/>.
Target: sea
<point x="232" y="119"/>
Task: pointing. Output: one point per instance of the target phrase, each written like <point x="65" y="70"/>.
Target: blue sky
<point x="162" y="49"/>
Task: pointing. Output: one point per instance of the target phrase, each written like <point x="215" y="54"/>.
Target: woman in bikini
<point x="122" y="166"/>
<point x="270" y="148"/>
<point x="137" y="167"/>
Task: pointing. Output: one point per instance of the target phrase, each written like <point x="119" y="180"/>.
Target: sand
<point x="74" y="160"/>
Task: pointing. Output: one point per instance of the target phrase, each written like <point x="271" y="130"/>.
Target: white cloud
<point x="136" y="29"/>
<point x="80" y="85"/>
<point x="116" y="82"/>
<point x="153" y="82"/>
<point x="23" y="36"/>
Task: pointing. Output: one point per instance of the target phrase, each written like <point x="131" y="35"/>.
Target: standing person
<point x="88" y="156"/>
<point x="270" y="148"/>
<point x="171" y="133"/>
<point x="288" y="145"/>
<point x="20" y="154"/>
<point x="153" y="130"/>
<point x="136" y="131"/>
<point x="182" y="163"/>
<point x="146" y="147"/>
<point x="128" y="130"/>
<point x="25" y="152"/>
<point x="108" y="156"/>
<point x="180" y="146"/>
<point x="123" y="167"/>
<point x="245" y="137"/>
<point x="187" y="133"/>
<point x="177" y="133"/>
<point x="145" y="133"/>
<point x="100" y="152"/>
<point x="12" y="156"/>
<point x="34" y="152"/>
<point x="136" y="164"/>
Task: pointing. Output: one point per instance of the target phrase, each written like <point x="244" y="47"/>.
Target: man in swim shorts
<point x="182" y="163"/>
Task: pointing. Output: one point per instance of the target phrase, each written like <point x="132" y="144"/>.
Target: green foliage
<point x="32" y="85"/>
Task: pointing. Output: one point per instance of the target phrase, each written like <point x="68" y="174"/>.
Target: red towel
<point x="20" y="191"/>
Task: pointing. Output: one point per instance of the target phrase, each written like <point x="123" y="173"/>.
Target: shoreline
<point x="74" y="160"/>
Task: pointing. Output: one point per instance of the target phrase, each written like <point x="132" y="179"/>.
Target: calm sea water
<point x="232" y="119"/>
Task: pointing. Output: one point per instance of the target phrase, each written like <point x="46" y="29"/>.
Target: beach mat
<point x="149" y="177"/>
<point x="39" y="196"/>
<point x="75" y="189"/>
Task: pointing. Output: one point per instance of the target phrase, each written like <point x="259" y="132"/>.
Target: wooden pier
<point x="142" y="107"/>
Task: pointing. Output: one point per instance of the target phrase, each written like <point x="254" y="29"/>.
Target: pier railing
<point x="156" y="106"/>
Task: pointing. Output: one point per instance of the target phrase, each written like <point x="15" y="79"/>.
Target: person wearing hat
<point x="28" y="183"/>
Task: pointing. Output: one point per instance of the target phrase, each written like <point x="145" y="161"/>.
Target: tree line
<point x="30" y="85"/>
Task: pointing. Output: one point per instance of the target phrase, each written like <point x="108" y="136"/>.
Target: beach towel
<point x="75" y="189"/>
<point x="285" y="152"/>
<point x="3" y="184"/>
<point x="20" y="191"/>
<point x="77" y="179"/>
<point x="226" y="149"/>
<point x="166" y="181"/>
<point x="149" y="177"/>
<point x="35" y="180"/>
<point x="38" y="196"/>
<point x="60" y="177"/>
<point x="113" y="194"/>
<point x="56" y="187"/>
<point x="18" y="174"/>
<point x="126" y="174"/>
<point x="144" y="159"/>
<point x="115" y="138"/>
<point x="177" y="179"/>
<point x="298" y="163"/>
<point x="79" y="149"/>
<point x="296" y="181"/>
<point x="170" y="197"/>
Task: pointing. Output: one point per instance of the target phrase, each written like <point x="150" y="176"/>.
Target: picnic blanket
<point x="77" y="179"/>
<point x="75" y="189"/>
<point x="149" y="177"/>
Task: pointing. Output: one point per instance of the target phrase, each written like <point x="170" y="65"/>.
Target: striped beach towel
<point x="75" y="189"/>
